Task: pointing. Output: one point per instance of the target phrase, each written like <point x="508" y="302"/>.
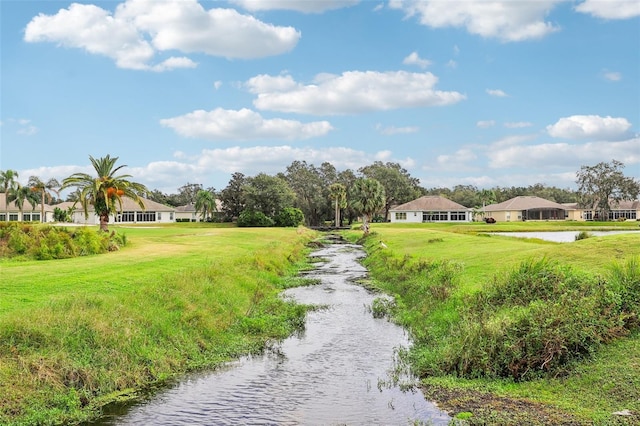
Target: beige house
<point x="526" y="207"/>
<point x="620" y="210"/>
<point x="430" y="208"/>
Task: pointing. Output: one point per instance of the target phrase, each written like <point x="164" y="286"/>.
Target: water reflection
<point x="332" y="374"/>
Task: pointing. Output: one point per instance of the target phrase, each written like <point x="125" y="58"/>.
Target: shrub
<point x="252" y="218"/>
<point x="537" y="320"/>
<point x="290" y="216"/>
<point x="582" y="235"/>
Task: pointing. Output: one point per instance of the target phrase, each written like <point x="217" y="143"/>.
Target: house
<point x="526" y="207"/>
<point x="620" y="210"/>
<point x="130" y="213"/>
<point x="29" y="213"/>
<point x="187" y="213"/>
<point x="430" y="208"/>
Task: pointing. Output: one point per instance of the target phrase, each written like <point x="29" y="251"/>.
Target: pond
<point x="336" y="372"/>
<point x="560" y="236"/>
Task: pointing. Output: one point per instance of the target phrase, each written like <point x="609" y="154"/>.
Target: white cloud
<point x="21" y="126"/>
<point x="612" y="76"/>
<point x="504" y="20"/>
<point x="564" y="154"/>
<point x="415" y="59"/>
<point x="484" y="124"/>
<point x="304" y="6"/>
<point x="460" y="159"/>
<point x="590" y="126"/>
<point x="497" y="93"/>
<point x="393" y="130"/>
<point x="244" y="124"/>
<point x="452" y="64"/>
<point x="610" y="9"/>
<point x="139" y="29"/>
<point x="217" y="84"/>
<point x="350" y="93"/>
<point x="517" y="124"/>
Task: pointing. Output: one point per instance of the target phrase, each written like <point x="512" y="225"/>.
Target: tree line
<point x="318" y="194"/>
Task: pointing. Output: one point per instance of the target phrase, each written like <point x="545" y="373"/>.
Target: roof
<point x="26" y="207"/>
<point x="429" y="203"/>
<point x="128" y="205"/>
<point x="191" y="208"/>
<point x="525" y="202"/>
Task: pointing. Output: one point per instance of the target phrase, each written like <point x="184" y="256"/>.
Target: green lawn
<point x="76" y="333"/>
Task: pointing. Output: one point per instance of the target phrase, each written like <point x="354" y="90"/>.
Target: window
<point x="13" y="217"/>
<point x="171" y="216"/>
<point x="146" y="217"/>
<point x="159" y="215"/>
<point x="125" y="217"/>
<point x="401" y="215"/>
<point x="3" y="217"/>
<point x="459" y="216"/>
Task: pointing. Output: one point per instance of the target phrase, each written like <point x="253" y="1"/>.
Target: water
<point x="559" y="236"/>
<point x="335" y="373"/>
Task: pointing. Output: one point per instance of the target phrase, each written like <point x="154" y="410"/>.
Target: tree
<point x="307" y="183"/>
<point x="602" y="184"/>
<point x="8" y="182"/>
<point x="206" y="204"/>
<point x="232" y="197"/>
<point x="44" y="189"/>
<point x="367" y="197"/>
<point x="105" y="191"/>
<point x="338" y="193"/>
<point x="398" y="184"/>
<point x="20" y="194"/>
<point x="268" y="194"/>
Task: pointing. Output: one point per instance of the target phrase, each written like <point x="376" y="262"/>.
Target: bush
<point x="254" y="219"/>
<point x="582" y="235"/>
<point x="290" y="216"/>
<point x="47" y="242"/>
<point x="537" y="320"/>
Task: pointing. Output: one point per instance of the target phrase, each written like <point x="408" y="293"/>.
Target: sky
<point x="476" y="92"/>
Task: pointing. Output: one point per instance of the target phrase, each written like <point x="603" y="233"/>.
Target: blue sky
<point x="483" y="93"/>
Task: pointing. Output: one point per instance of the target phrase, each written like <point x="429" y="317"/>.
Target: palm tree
<point x="105" y="191"/>
<point x="45" y="189"/>
<point x="338" y="193"/>
<point x="22" y="194"/>
<point x="367" y="197"/>
<point x="205" y="203"/>
<point x="8" y="182"/>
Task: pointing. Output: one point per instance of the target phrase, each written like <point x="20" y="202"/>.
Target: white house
<point x="29" y="213"/>
<point x="187" y="213"/>
<point x="130" y="213"/>
<point x="431" y="208"/>
<point x="527" y="207"/>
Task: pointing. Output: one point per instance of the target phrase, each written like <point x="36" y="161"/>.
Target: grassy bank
<point x="77" y="333"/>
<point x="455" y="290"/>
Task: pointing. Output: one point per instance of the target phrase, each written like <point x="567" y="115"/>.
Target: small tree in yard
<point x="105" y="191"/>
<point x="205" y="204"/>
<point x="44" y="189"/>
<point x="367" y="197"/>
<point x="604" y="183"/>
